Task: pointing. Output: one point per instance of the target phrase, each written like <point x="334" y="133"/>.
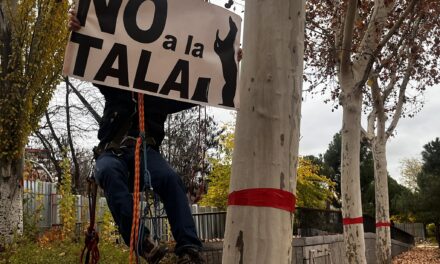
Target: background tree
<point x="401" y="62"/>
<point x="219" y="175"/>
<point x="313" y="190"/>
<point x="71" y="124"/>
<point x="190" y="135"/>
<point x="33" y="34"/>
<point x="67" y="202"/>
<point x="355" y="41"/>
<point x="428" y="182"/>
<point x="332" y="158"/>
<point x="409" y="170"/>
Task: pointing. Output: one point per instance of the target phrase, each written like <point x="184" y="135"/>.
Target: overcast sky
<point x="319" y="124"/>
<point x="412" y="133"/>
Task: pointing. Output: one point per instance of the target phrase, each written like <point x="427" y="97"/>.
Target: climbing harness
<point x="91" y="241"/>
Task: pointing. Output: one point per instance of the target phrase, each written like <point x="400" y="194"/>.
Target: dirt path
<point x="419" y="255"/>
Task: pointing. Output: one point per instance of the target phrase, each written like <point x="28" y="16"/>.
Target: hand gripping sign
<point x="184" y="50"/>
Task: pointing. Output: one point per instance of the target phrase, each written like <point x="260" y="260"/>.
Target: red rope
<point x="136" y="195"/>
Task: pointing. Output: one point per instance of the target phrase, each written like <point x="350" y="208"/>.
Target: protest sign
<point x="179" y="49"/>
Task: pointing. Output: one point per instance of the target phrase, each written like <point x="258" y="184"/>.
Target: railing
<point x="315" y="222"/>
<point x="209" y="226"/>
<point x="42" y="197"/>
<point x="210" y="222"/>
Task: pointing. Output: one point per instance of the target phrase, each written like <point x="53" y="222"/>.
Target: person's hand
<point x="74" y="23"/>
<point x="239" y="54"/>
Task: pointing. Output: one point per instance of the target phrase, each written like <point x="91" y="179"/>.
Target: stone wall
<point x="316" y="250"/>
<point x="322" y="249"/>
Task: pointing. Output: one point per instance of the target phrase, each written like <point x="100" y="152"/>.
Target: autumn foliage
<point x="33" y="36"/>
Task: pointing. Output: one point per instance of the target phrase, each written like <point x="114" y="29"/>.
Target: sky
<point x="319" y="124"/>
<point x="411" y="133"/>
<point x="410" y="137"/>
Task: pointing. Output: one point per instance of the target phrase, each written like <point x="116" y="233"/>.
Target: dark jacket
<point x="121" y="106"/>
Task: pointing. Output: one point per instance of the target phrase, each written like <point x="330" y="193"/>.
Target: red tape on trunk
<point x="265" y="197"/>
<point x="383" y="224"/>
<point x="352" y="221"/>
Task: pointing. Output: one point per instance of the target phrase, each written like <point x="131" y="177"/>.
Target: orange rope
<point x="136" y="195"/>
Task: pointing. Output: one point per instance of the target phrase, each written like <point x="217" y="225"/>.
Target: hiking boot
<point x="190" y="256"/>
<point x="153" y="252"/>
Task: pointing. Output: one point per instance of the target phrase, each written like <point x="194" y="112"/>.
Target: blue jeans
<point x="115" y="175"/>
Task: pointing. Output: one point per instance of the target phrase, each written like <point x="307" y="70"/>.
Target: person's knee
<point x="107" y="167"/>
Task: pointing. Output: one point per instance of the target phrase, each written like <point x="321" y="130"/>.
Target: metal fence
<point x="315" y="222"/>
<point x="210" y="222"/>
<point x="415" y="229"/>
<point x="396" y="233"/>
<point x="42" y="198"/>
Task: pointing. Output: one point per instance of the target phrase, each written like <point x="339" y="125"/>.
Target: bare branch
<point x="52" y="131"/>
<point x="348" y="36"/>
<point x="70" y="140"/>
<point x="324" y="32"/>
<point x="406" y="78"/>
<point x="390" y="86"/>
<point x="52" y="157"/>
<point x="370" y="126"/>
<point x="89" y="107"/>
<point x="396" y="26"/>
<point x="399" y="106"/>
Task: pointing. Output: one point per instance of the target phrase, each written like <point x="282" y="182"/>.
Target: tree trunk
<point x="76" y="173"/>
<point x="354" y="240"/>
<point x="383" y="234"/>
<point x="267" y="132"/>
<point x="11" y="203"/>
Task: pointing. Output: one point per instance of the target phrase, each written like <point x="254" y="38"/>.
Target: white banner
<point x="180" y="49"/>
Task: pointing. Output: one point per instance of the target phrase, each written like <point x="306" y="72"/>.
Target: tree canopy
<point x="220" y="173"/>
<point x="313" y="189"/>
<point x="428" y="182"/>
<point x="33" y="36"/>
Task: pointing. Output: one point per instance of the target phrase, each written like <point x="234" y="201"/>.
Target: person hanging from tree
<point x="117" y="133"/>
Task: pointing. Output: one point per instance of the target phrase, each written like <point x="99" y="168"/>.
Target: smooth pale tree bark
<point x="354" y="70"/>
<point x="378" y="143"/>
<point x="351" y="101"/>
<point x="11" y="206"/>
<point x="354" y="240"/>
<point x="378" y="134"/>
<point x="267" y="131"/>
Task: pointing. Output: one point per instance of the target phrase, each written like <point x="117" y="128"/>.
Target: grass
<point x="28" y="252"/>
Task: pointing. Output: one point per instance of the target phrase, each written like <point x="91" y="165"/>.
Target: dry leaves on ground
<point x="419" y="255"/>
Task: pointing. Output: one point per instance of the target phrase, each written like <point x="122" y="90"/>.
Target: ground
<point x="421" y="254"/>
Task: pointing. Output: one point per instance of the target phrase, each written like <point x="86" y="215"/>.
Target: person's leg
<point x="112" y="176"/>
<point x="169" y="186"/>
